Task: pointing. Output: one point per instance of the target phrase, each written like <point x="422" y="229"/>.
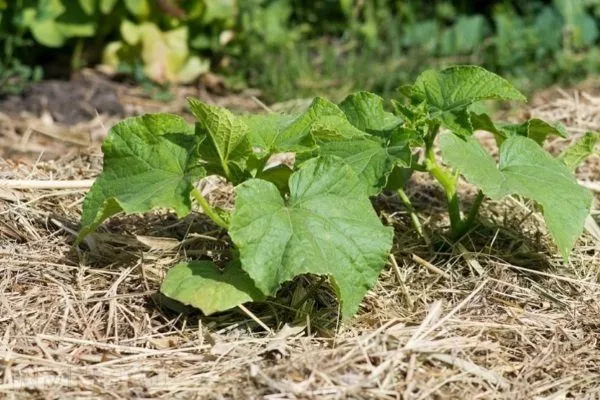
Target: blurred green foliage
<point x="292" y="48"/>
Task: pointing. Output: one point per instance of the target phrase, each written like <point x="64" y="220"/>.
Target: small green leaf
<point x="527" y="170"/>
<point x="483" y="122"/>
<point x="334" y="128"/>
<point x="398" y="178"/>
<point x="278" y="175"/>
<point x="202" y="285"/>
<point x="581" y="149"/>
<point x="225" y="147"/>
<point x="450" y="92"/>
<point x="326" y="227"/>
<point x="268" y="133"/>
<point x="534" y="128"/>
<point x="365" y="111"/>
<point x="457" y="121"/>
<point x="149" y="162"/>
<point x="285" y="133"/>
<point x="371" y="157"/>
<point x="368" y="158"/>
<point x="538" y="129"/>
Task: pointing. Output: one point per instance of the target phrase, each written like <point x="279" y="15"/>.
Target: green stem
<point x="469" y="221"/>
<point x="448" y="182"/>
<point x="474" y="209"/>
<point x="208" y="210"/>
<point x="76" y="56"/>
<point x="413" y="215"/>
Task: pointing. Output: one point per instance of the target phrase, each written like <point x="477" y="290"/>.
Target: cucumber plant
<point x="316" y="216"/>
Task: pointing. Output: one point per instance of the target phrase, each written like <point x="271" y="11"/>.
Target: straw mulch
<point x="500" y="316"/>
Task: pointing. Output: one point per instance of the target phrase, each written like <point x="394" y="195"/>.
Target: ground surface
<point x="500" y="316"/>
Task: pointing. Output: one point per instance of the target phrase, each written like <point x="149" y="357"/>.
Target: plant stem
<point x="208" y="209"/>
<point x="448" y="182"/>
<point x="413" y="215"/>
<point x="469" y="221"/>
<point x="76" y="56"/>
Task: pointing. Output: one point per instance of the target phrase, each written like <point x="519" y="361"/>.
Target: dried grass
<point x="499" y="317"/>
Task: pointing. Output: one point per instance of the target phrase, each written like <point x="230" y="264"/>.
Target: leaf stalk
<point x="448" y="182"/>
<point x="413" y="215"/>
<point x="208" y="209"/>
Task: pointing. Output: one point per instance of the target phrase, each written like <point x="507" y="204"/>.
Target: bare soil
<point x="499" y="316"/>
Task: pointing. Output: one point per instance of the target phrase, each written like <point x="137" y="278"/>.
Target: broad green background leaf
<point x="581" y="149"/>
<point x="106" y="6"/>
<point x="165" y="54"/>
<point x="534" y="128"/>
<point x="467" y="33"/>
<point x="149" y="162"/>
<point x="449" y="92"/>
<point x="365" y="111"/>
<point x="527" y="170"/>
<point x="284" y="133"/>
<point x="225" y="146"/>
<point x="326" y="227"/>
<point x="52" y="23"/>
<point x="219" y="9"/>
<point x="202" y="285"/>
<point x="139" y="8"/>
<point x="47" y="33"/>
<point x="88" y="6"/>
<point x="582" y="27"/>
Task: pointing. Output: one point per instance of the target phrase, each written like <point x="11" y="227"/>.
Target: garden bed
<point x="499" y="316"/>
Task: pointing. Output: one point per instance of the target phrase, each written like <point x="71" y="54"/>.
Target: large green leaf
<point x="149" y="162"/>
<point x="581" y="149"/>
<point x="326" y="227"/>
<point x="225" y="146"/>
<point x="365" y="111"/>
<point x="275" y="133"/>
<point x="74" y="22"/>
<point x="528" y="170"/>
<point x="202" y="285"/>
<point x="534" y="128"/>
<point x="450" y="92"/>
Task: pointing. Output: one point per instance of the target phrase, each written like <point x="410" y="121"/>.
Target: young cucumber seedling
<point x="316" y="217"/>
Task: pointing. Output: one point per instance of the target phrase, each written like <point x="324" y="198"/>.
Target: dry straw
<point x="499" y="317"/>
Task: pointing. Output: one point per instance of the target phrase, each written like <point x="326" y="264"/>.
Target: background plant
<point x="315" y="217"/>
<point x="298" y="48"/>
